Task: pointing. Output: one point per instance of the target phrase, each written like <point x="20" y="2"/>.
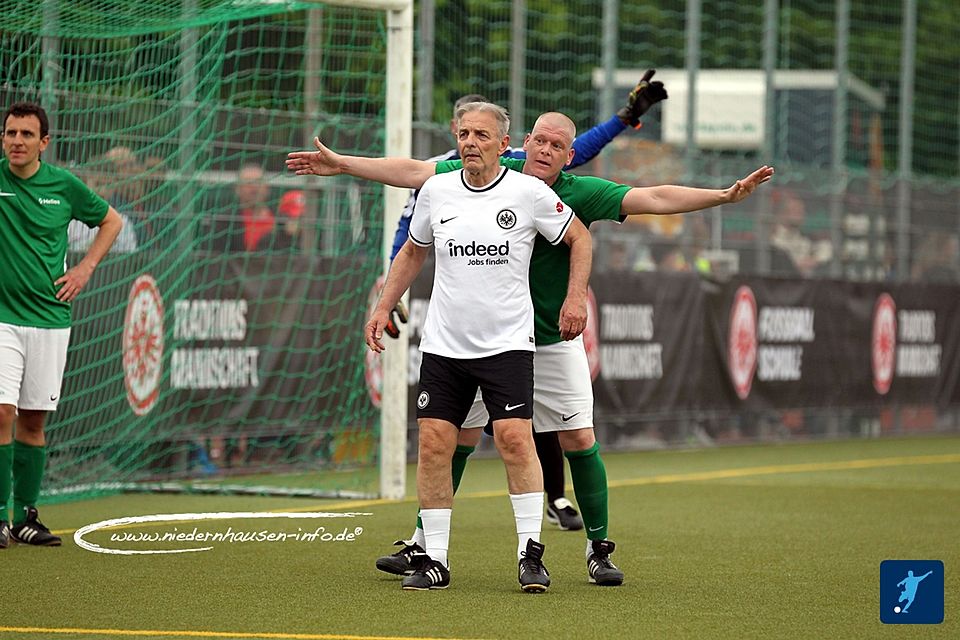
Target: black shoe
<point x="561" y="513"/>
<point x="429" y="574"/>
<point x="33" y="532"/>
<point x="602" y="571"/>
<point x="4" y="534"/>
<point x="401" y="562"/>
<point x="532" y="574"/>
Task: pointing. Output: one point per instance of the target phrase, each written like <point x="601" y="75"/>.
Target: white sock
<point x="589" y="547"/>
<point x="418" y="538"/>
<point x="528" y="512"/>
<point x="436" y="533"/>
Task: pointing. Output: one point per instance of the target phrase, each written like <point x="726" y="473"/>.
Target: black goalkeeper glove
<point x="399" y="312"/>
<point x="644" y="95"/>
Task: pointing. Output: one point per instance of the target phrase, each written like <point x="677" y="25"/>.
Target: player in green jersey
<point x="549" y="149"/>
<point x="37" y="202"/>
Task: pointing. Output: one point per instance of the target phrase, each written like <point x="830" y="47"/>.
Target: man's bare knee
<point x="577" y="440"/>
<point x="469" y="437"/>
<point x="30" y="424"/>
<point x="437" y="439"/>
<point x="8" y="413"/>
<point x="432" y="447"/>
<point x="514" y="440"/>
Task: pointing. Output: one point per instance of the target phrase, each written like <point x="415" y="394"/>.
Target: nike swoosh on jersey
<point x="442" y="221"/>
<point x="569" y="418"/>
<point x="511" y="407"/>
<point x="7" y="195"/>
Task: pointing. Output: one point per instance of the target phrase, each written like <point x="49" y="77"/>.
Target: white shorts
<point x="31" y="366"/>
<point x="562" y="390"/>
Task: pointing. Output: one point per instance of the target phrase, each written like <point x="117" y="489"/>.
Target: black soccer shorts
<point x="449" y="385"/>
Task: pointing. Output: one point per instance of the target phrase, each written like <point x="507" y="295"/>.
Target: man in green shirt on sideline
<point x="37" y="202"/>
<point x="563" y="393"/>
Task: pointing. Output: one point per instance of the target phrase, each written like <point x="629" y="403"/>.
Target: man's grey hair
<point x="462" y="100"/>
<point x="503" y="119"/>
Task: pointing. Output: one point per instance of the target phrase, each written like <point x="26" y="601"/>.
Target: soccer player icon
<point x="909" y="585"/>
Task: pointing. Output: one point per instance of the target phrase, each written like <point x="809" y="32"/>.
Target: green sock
<point x="460" y="455"/>
<point x="590" y="486"/>
<point x="6" y="477"/>
<point x="28" y="464"/>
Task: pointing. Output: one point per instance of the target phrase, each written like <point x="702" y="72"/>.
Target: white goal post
<point x="399" y="116"/>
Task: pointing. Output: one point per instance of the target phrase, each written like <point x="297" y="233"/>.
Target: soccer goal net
<point x="219" y="346"/>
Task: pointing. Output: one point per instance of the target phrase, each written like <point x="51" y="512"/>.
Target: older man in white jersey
<point x="562" y="390"/>
<point x="482" y="222"/>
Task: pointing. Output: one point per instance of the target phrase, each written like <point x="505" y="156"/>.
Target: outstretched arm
<point x="396" y="172"/>
<point x="666" y="199"/>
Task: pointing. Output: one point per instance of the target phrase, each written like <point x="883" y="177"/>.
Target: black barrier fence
<point x="169" y="355"/>
<point x="680" y="358"/>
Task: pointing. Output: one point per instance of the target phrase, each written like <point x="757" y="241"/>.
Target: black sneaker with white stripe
<point x="33" y="532"/>
<point x="561" y="513"/>
<point x="532" y="574"/>
<point x="428" y="574"/>
<point x="602" y="571"/>
<point x="4" y="534"/>
<point x="400" y="563"/>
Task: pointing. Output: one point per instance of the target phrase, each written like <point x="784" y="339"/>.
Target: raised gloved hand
<point x="644" y="95"/>
<point x="399" y="312"/>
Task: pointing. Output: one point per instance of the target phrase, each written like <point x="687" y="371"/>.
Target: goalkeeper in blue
<point x="560" y="511"/>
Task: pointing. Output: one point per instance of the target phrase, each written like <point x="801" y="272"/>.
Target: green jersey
<point x="34" y="214"/>
<point x="591" y="199"/>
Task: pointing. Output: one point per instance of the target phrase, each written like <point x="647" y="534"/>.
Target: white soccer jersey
<point x="483" y="238"/>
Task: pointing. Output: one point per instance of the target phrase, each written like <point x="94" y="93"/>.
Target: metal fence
<point x="855" y="103"/>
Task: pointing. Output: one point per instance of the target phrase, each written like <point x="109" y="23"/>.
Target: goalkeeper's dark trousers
<point x="551" y="460"/>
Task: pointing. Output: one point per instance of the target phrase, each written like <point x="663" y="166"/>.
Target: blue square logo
<point x="911" y="592"/>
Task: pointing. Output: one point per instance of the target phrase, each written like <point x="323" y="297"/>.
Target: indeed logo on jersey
<point x="496" y="254"/>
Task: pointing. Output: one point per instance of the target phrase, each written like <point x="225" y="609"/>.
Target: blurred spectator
<point x="123" y="168"/>
<point x="788" y="236"/>
<point x="616" y="257"/>
<point x="699" y="244"/>
<point x="685" y="253"/>
<point x="154" y="202"/>
<point x="936" y="259"/>
<point x="887" y="268"/>
<point x="126" y="189"/>
<point x="253" y="194"/>
<point x="80" y="236"/>
<point x="287" y="235"/>
<point x="248" y="221"/>
<point x="668" y="256"/>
